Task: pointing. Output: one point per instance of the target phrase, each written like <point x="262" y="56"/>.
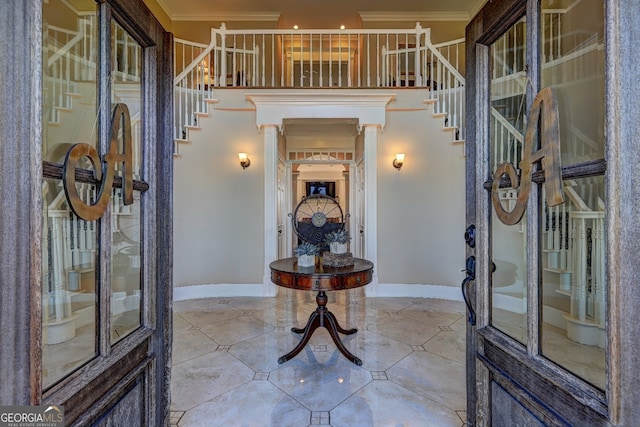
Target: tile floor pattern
<point x="226" y="372"/>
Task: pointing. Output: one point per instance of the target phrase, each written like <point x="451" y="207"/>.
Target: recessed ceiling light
<point x="295" y="27"/>
<point x="342" y="27"/>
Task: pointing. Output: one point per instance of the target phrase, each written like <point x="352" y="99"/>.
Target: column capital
<point x="273" y="107"/>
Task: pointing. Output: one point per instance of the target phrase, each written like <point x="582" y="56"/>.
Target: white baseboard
<point x="419" y="291"/>
<point x="181" y="293"/>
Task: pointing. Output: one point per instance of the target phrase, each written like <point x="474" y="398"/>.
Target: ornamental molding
<point x="273" y="107"/>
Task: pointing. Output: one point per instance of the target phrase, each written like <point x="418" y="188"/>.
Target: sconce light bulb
<point x="244" y="160"/>
<point x="398" y="161"/>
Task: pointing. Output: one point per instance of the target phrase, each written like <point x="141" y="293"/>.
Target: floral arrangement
<point x="306" y="248"/>
<point x="339" y="236"/>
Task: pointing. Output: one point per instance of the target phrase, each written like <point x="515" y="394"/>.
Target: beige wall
<point x="441" y="31"/>
<point x="200" y="31"/>
<point x="218" y="207"/>
<point x="159" y="13"/>
<point x="421" y="207"/>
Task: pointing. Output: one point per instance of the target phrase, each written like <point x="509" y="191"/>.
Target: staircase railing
<point x="508" y="140"/>
<point x="71" y="58"/>
<point x="317" y="59"/>
<point x="573" y="239"/>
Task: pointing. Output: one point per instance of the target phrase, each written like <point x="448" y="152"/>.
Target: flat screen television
<point x="327" y="188"/>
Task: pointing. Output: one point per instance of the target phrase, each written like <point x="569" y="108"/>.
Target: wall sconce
<point x="398" y="161"/>
<point x="244" y="160"/>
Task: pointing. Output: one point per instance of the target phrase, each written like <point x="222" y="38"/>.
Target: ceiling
<point x="320" y="14"/>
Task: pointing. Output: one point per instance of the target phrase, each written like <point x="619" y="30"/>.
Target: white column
<point x="371" y="203"/>
<point x="270" y="204"/>
<point x="288" y="180"/>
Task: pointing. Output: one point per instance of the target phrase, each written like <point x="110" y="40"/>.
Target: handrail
<point x="207" y="49"/>
<point x="317" y="58"/>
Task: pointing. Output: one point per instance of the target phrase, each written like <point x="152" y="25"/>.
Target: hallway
<point x="225" y="370"/>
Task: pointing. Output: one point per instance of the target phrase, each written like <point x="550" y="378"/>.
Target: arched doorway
<point x="367" y="110"/>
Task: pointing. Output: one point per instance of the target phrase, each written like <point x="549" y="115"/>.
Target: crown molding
<point x="164" y="7"/>
<point x="231" y="16"/>
<point x="476" y="7"/>
<point x="273" y="107"/>
<point x="414" y="16"/>
<point x="222" y="16"/>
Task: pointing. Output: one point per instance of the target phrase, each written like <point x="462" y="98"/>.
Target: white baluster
<point x="58" y="267"/>
<point x="579" y="290"/>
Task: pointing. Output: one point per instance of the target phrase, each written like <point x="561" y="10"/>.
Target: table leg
<point x="322" y="317"/>
<point x="312" y="325"/>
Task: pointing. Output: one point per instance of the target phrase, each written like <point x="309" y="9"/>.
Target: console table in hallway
<point x="286" y="273"/>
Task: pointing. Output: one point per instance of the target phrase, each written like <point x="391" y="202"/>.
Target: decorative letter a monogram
<point x="548" y="154"/>
<point x="120" y="120"/>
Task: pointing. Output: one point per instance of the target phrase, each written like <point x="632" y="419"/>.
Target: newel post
<point x="416" y="58"/>
<point x="222" y="81"/>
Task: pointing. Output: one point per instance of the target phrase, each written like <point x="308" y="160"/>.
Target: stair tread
<point x="556" y="270"/>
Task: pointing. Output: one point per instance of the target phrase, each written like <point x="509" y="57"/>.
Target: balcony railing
<point x="403" y="58"/>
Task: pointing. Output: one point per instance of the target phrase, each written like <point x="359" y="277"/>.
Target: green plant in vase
<point x="306" y="253"/>
<point x="338" y="241"/>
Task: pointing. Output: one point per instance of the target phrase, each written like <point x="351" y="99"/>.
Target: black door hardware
<point x="470" y="236"/>
<point x="471" y="276"/>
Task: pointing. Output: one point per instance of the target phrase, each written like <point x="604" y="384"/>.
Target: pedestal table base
<point x="322" y="318"/>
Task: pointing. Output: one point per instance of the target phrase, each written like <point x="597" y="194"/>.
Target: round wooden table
<point x="286" y="273"/>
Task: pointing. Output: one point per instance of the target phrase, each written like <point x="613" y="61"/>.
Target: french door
<point x="89" y="304"/>
<point x="537" y="288"/>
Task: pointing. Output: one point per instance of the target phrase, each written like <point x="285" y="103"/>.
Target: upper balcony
<point x="315" y="59"/>
<point x="318" y="59"/>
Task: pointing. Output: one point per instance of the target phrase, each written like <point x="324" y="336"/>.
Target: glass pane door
<point x="573" y="291"/>
<point x="126" y="90"/>
<point x="69" y="246"/>
<point x="508" y="244"/>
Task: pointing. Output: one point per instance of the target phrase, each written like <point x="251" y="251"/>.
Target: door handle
<point x="470" y="236"/>
<point x="471" y="276"/>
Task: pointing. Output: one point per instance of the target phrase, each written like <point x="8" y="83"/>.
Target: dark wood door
<point x="537" y="286"/>
<point x="93" y="153"/>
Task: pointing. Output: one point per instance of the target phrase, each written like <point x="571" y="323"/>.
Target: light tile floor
<point x="226" y="372"/>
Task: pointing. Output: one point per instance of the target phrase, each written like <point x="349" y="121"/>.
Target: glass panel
<point x="508" y="87"/>
<point x="69" y="243"/>
<point x="573" y="65"/>
<point x="574" y="281"/>
<point x="126" y="219"/>
<point x="573" y="250"/>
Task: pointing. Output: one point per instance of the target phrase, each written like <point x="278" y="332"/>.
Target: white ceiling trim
<point x="274" y="108"/>
<point x="231" y="16"/>
<point x="413" y="16"/>
<point x="165" y="8"/>
<point x="226" y="16"/>
<point x="477" y="6"/>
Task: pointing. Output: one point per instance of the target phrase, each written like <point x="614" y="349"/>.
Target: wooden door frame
<point x="21" y="220"/>
<point x="618" y="406"/>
